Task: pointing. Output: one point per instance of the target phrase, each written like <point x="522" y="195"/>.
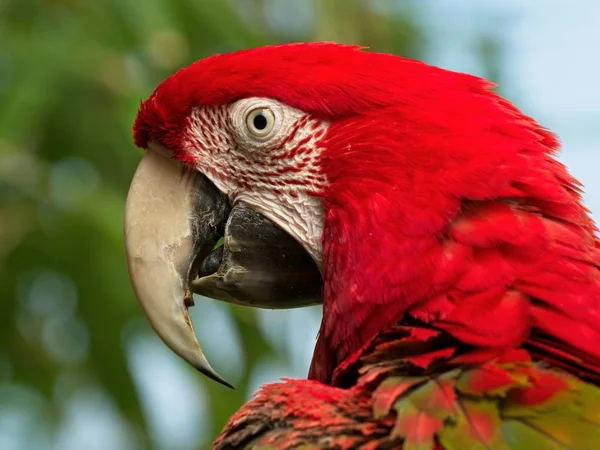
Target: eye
<point x="260" y="121"/>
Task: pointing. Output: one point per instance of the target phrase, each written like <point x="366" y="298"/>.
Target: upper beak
<point x="173" y="218"/>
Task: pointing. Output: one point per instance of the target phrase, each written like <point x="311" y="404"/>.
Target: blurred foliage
<point x="72" y="73"/>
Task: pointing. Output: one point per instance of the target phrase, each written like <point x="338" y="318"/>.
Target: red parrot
<point x="457" y="266"/>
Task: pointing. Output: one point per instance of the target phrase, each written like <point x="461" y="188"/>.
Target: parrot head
<point x="333" y="175"/>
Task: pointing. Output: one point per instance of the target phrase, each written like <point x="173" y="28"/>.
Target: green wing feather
<point x="457" y="402"/>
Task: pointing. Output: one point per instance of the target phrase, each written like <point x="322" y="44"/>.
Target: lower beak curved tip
<point x="210" y="373"/>
<point x="170" y="215"/>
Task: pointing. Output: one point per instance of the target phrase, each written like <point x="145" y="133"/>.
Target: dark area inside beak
<point x="211" y="263"/>
<point x="259" y="264"/>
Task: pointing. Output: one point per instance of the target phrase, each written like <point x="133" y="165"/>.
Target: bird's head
<point x="330" y="171"/>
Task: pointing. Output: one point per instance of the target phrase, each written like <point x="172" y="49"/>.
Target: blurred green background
<point x="79" y="366"/>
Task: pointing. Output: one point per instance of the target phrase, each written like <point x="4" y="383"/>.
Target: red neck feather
<point x="451" y="208"/>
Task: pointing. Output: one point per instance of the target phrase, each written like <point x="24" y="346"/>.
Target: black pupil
<point x="259" y="121"/>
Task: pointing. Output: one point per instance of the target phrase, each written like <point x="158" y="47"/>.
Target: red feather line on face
<point x="444" y="201"/>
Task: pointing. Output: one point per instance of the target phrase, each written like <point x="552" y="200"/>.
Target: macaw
<point x="457" y="266"/>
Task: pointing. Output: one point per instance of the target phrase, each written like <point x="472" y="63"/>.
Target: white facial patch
<point x="266" y="154"/>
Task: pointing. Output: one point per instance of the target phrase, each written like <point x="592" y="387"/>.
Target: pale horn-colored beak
<point x="172" y="215"/>
<point x="173" y="218"/>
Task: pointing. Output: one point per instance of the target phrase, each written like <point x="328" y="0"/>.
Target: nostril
<point x="211" y="263"/>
